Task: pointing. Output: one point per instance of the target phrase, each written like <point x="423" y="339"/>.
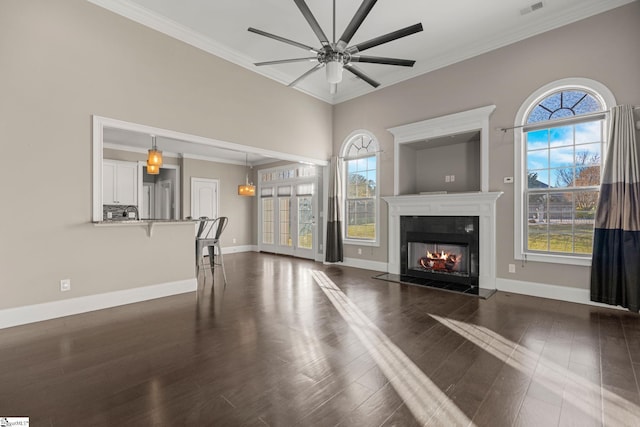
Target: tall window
<point x="360" y="154"/>
<point x="561" y="148"/>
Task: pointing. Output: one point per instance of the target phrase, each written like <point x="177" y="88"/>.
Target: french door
<point x="288" y="219"/>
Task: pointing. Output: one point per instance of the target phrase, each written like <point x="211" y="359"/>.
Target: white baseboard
<point x="50" y="310"/>
<point x="562" y="293"/>
<point x="364" y="264"/>
<point x="236" y="249"/>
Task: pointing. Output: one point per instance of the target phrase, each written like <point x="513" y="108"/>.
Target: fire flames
<point x="442" y="261"/>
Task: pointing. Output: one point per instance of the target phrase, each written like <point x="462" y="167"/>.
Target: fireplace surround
<point x="440" y="249"/>
<point x="481" y="205"/>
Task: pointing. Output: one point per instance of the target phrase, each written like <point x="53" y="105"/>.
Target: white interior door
<point x="204" y="198"/>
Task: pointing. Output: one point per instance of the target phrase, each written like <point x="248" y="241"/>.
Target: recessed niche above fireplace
<point x="426" y="152"/>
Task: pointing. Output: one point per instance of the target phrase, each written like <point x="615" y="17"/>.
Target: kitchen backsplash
<point x="116" y="212"/>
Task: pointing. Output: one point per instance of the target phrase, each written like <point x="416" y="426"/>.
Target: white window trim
<point x="343" y="153"/>
<point x="605" y="96"/>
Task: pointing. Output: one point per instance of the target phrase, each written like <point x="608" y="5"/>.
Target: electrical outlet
<point x="453" y="178"/>
<point x="109" y="215"/>
<point x="359" y="251"/>
<point x="234" y="240"/>
<point x="447" y="178"/>
<point x="512" y="268"/>
<point x="65" y="285"/>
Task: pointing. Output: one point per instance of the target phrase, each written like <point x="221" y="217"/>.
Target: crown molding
<point x="145" y="17"/>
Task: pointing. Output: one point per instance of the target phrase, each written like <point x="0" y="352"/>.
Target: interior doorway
<point x="160" y="193"/>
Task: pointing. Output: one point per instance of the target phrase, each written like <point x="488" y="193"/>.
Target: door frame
<point x="293" y="181"/>
<point x="176" y="188"/>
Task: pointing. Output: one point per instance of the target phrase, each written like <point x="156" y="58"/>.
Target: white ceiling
<point x="454" y="30"/>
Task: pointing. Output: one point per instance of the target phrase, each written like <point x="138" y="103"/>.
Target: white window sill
<point x="555" y="259"/>
<point x="356" y="242"/>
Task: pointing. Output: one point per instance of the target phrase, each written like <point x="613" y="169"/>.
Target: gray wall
<point x="62" y="61"/>
<point x="460" y="160"/>
<point x="603" y="48"/>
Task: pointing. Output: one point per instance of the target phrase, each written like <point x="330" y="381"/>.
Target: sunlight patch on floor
<point x="428" y="404"/>
<point x="575" y="389"/>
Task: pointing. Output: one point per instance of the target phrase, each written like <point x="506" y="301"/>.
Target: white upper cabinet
<point x="119" y="182"/>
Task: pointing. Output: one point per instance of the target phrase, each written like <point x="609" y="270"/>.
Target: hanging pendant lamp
<point x="246" y="189"/>
<point x="152" y="169"/>
<point x="155" y="156"/>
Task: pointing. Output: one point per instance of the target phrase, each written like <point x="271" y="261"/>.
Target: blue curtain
<point x="615" y="267"/>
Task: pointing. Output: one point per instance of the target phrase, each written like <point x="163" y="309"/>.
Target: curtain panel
<point x="615" y="267"/>
<point x="333" y="250"/>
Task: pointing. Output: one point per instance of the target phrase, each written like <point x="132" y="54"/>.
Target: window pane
<point x="305" y="222"/>
<point x="538" y="179"/>
<point x="267" y="221"/>
<point x="563" y="177"/>
<point x="589" y="132"/>
<point x="361" y="219"/>
<point x="561" y="222"/>
<point x="538" y="139"/>
<point x="285" y="223"/>
<point x="588" y="105"/>
<point x="537" y="237"/>
<point x="371" y="163"/>
<point x="585" y="203"/>
<point x="538" y="159"/>
<point x="559" y="157"/>
<point x="561" y="136"/>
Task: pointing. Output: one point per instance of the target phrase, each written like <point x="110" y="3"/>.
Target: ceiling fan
<point x="336" y="56"/>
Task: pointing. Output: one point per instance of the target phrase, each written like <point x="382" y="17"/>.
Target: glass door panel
<point x="305" y="222"/>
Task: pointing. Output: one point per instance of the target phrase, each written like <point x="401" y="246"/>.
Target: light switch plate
<point x="508" y="180"/>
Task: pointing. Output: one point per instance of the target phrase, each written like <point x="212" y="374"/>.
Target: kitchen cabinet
<point x="119" y="182"/>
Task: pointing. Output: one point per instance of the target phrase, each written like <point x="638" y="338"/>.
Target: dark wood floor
<point x="275" y="348"/>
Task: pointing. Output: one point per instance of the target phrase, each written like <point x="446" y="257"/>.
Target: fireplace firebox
<point x="440" y="251"/>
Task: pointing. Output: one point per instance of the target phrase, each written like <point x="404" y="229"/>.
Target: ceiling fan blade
<point x="286" y="61"/>
<point x="383" y="60"/>
<point x="306" y="12"/>
<point x="385" y="38"/>
<point x="355" y="23"/>
<point x="361" y="75"/>
<point x="314" y="69"/>
<point x="282" y="39"/>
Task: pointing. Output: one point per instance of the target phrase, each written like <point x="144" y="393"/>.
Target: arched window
<point x="361" y="200"/>
<point x="559" y="144"/>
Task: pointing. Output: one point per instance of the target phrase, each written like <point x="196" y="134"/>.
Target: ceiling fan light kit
<point x="337" y="56"/>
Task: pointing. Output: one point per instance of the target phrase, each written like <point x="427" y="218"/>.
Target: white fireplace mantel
<point x="480" y="204"/>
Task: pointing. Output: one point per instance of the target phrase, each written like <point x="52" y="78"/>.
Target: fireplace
<point x="440" y="249"/>
<point x="479" y="238"/>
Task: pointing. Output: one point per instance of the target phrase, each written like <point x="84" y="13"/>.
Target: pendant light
<point x="153" y="169"/>
<point x="154" y="159"/>
<point x="246" y="189"/>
